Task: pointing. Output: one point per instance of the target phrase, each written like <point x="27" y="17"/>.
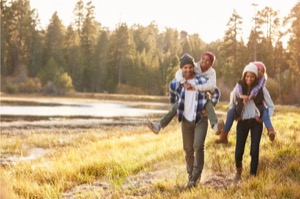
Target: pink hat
<point x="260" y="66"/>
<point x="211" y="56"/>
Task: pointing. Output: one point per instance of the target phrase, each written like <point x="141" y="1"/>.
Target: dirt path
<point x="144" y="184"/>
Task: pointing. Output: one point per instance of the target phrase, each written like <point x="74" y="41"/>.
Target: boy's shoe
<point x="218" y="127"/>
<point x="154" y="127"/>
<point x="271" y="133"/>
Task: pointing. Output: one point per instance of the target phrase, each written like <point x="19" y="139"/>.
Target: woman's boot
<point x="223" y="138"/>
<point x="238" y="175"/>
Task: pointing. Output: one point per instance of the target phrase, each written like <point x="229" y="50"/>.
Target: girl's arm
<point x="179" y="77"/>
<point x="210" y="84"/>
<point x="255" y="90"/>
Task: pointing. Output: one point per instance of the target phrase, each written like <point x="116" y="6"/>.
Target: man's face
<point x="188" y="71"/>
<point x="205" y="63"/>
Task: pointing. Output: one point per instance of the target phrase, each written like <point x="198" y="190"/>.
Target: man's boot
<point x="238" y="175"/>
<point x="223" y="138"/>
<point x="194" y="180"/>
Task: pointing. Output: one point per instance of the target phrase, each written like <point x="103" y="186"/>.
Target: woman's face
<point x="250" y="78"/>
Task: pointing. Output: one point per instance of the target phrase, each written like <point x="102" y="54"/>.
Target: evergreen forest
<point x="141" y="60"/>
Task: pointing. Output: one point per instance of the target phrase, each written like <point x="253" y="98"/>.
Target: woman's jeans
<point x="231" y="115"/>
<point x="242" y="130"/>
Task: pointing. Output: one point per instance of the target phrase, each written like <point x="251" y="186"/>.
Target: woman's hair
<point x="242" y="82"/>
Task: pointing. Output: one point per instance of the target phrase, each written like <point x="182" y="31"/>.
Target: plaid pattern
<point x="177" y="93"/>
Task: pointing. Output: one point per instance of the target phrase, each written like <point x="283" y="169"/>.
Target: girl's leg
<point x="229" y="120"/>
<point x="266" y="118"/>
<point x="267" y="121"/>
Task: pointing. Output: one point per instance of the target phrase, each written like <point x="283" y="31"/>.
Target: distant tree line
<point x="86" y="57"/>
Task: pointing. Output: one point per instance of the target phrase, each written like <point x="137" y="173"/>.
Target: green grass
<point x="113" y="155"/>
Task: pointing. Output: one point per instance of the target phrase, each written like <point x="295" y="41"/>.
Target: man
<point x="190" y="112"/>
<point x="205" y="68"/>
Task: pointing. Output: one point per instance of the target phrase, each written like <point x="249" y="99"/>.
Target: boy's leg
<point x="164" y="121"/>
<point x="267" y="121"/>
<point x="216" y="124"/>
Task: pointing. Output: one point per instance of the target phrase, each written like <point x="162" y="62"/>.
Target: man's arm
<point x="173" y="86"/>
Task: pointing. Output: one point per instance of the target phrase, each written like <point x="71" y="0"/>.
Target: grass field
<point x="132" y="162"/>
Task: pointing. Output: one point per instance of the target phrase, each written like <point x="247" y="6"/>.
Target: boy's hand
<point x="204" y="112"/>
<point x="188" y="86"/>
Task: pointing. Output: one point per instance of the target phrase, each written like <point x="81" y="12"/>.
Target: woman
<point x="248" y="121"/>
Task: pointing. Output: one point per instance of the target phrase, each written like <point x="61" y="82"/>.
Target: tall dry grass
<point x="113" y="155"/>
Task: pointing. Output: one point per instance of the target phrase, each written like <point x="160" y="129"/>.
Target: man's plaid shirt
<point x="177" y="94"/>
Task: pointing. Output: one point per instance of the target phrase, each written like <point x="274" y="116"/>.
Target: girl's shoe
<point x="271" y="133"/>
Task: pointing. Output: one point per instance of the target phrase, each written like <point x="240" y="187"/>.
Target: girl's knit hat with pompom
<point x="260" y="65"/>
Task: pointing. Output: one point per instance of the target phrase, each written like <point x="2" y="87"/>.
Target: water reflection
<point x="92" y="109"/>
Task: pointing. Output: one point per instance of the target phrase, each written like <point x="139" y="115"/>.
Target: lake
<point x="47" y="114"/>
<point x="89" y="109"/>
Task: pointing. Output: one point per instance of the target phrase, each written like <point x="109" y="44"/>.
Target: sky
<point x="206" y="18"/>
